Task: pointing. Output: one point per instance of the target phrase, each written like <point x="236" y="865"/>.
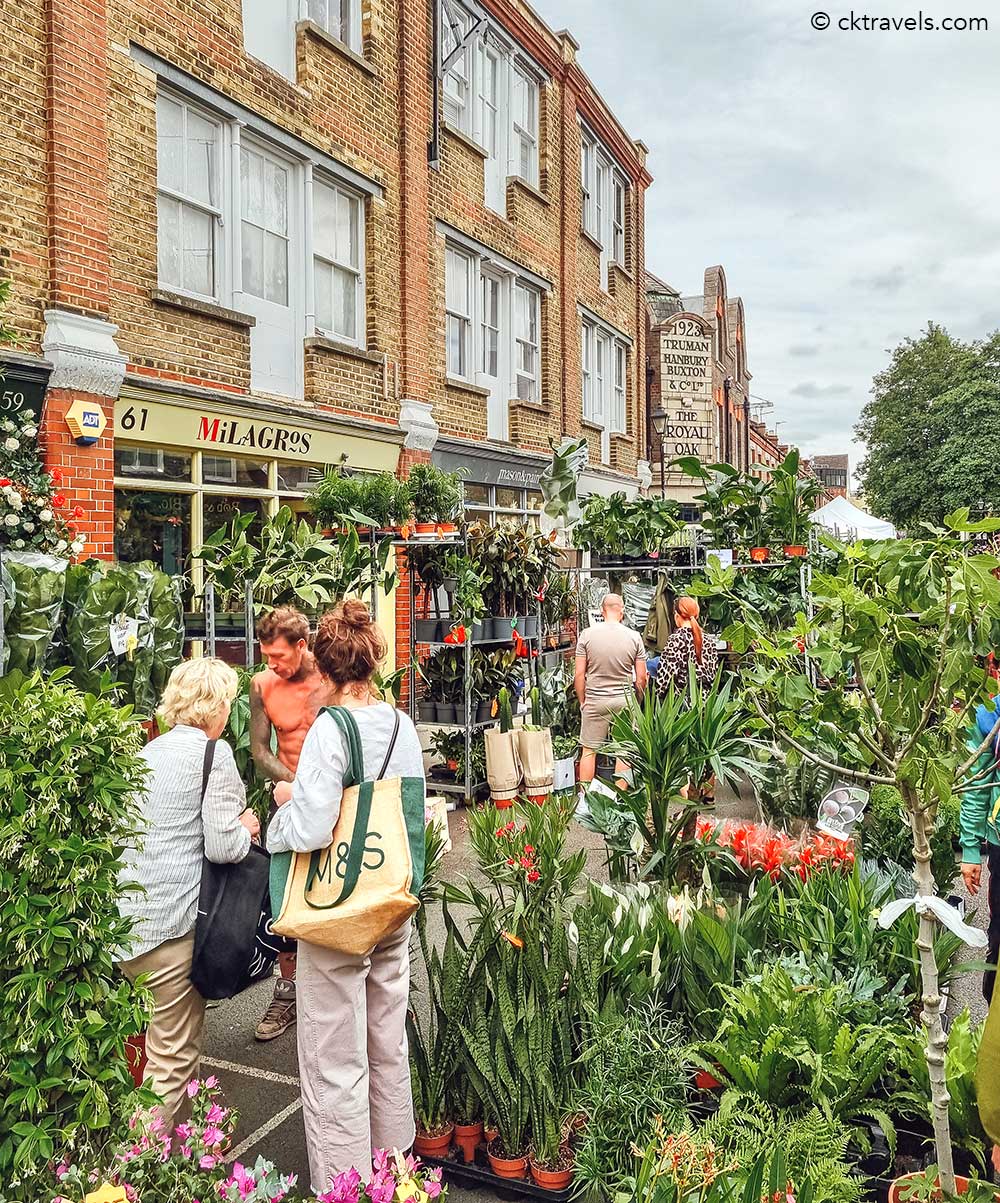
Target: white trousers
<point x="353" y="1062"/>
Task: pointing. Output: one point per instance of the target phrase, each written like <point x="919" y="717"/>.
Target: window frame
<point x="619" y="190"/>
<point x="353" y="21"/>
<point x="520" y="133"/>
<point x="603" y="402"/>
<point x="360" y="338"/>
<point x="466" y="320"/>
<point x="534" y="317"/>
<point x="217" y="212"/>
<point x="604" y="192"/>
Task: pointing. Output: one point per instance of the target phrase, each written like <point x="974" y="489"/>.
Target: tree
<point x="931" y="428"/>
<point x="896" y="637"/>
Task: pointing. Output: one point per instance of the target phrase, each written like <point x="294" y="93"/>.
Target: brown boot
<point x="280" y="1015"/>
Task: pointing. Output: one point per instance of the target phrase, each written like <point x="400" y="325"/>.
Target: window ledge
<point x="322" y="35"/>
<point x="321" y="342"/>
<point x="538" y="407"/>
<point x="177" y="300"/>
<point x="463" y="137"/>
<point x="590" y="424"/>
<point x="530" y="189"/>
<point x="622" y="271"/>
<point x="594" y="242"/>
<point x="620" y="436"/>
<point x="466" y="386"/>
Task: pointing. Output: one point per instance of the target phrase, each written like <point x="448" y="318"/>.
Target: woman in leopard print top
<point x="685" y="648"/>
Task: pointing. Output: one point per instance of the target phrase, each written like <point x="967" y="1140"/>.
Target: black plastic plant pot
<point x="500" y="628"/>
<point x="449" y="584"/>
<point x="478" y="1176"/>
<point x="479" y="631"/>
<point x="484" y="711"/>
<point x="528" y="626"/>
<point x="427" y="711"/>
<point x="444" y="712"/>
<point x="428" y="630"/>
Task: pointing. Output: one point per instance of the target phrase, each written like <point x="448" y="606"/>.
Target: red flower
<point x="528" y="849"/>
<point x="78" y="511"/>
<point x="456" y="635"/>
<point x="4" y="482"/>
<point x="534" y="875"/>
<point x="55" y="476"/>
<point x="58" y="500"/>
<point x="526" y="862"/>
<point x="511" y="861"/>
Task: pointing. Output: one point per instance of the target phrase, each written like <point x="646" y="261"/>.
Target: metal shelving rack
<point x="466" y="788"/>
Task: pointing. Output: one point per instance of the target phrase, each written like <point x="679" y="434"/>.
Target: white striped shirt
<point x="177" y="832"/>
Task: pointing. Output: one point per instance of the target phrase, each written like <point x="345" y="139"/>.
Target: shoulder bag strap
<point x="206" y="766"/>
<point x="392" y="745"/>
<point x="355" y="772"/>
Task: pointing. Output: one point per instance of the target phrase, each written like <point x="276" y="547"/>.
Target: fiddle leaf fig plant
<point x="896" y="637"/>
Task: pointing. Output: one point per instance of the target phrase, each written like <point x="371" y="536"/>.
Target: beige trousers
<point x="173" y="1039"/>
<point x="353" y="1063"/>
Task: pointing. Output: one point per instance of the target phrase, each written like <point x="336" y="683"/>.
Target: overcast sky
<point x="849" y="183"/>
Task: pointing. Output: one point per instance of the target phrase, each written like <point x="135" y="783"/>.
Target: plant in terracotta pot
<point x="435" y="497"/>
<point x="793" y="499"/>
<point x="337" y="501"/>
<point x="384" y="500"/>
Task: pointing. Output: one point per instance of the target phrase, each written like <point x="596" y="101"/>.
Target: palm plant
<point x="792" y="500"/>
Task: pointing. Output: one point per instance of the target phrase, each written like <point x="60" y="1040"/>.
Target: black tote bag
<point x="233" y="944"/>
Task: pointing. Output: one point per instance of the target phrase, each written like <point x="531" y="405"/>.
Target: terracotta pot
<point x="538" y="799"/>
<point x="961" y="1185"/>
<point x="703" y="1080"/>
<point x="433" y="1144"/>
<point x="760" y="555"/>
<point x="551" y="1179"/>
<point x="796" y="550"/>
<point x="503" y="803"/>
<point x="490" y="1134"/>
<point x="424" y="528"/>
<point x="135" y="1055"/>
<point x="507" y="1167"/>
<point x="447" y="528"/>
<point x="468" y="1138"/>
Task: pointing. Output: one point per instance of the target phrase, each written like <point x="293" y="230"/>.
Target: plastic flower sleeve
<point x="166" y="611"/>
<point x="33" y="584"/>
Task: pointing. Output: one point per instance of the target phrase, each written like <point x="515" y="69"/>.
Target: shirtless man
<point x="285" y="698"/>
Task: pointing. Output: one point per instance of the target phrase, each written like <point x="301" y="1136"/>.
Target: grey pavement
<point x="261" y="1080"/>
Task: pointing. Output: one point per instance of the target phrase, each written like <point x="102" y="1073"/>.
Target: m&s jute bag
<point x="354" y="893"/>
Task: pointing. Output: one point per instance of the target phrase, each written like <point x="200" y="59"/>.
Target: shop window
<point x="153" y="526"/>
<point x="234" y="470"/>
<point x="296" y="478"/>
<point x="221" y="510"/>
<point x="494" y="503"/>
<point x="188" y="197"/>
<point x="152" y="463"/>
<point x="337" y="262"/>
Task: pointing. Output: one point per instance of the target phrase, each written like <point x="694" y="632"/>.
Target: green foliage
<point x="930" y="427"/>
<point x="238" y="736"/>
<point x="434" y="495"/>
<point x="960" y="1074"/>
<point x="515" y="561"/>
<point x="789" y="1046"/>
<point x="791" y="500"/>
<point x="630" y="526"/>
<point x="634" y="1071"/>
<point x="289" y="562"/>
<point x="814" y="1144"/>
<point x="789" y="786"/>
<point x="685" y="737"/>
<point x="33" y="588"/>
<point x="886" y="838"/>
<point x="558" y="481"/>
<point x="69" y="772"/>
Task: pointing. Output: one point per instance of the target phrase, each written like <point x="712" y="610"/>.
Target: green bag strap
<point x="355" y="772"/>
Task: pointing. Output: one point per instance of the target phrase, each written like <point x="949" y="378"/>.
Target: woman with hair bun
<point x="687" y="649"/>
<point x="353" y="1061"/>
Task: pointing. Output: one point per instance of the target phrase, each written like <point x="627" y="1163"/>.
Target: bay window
<point x="188" y="197"/>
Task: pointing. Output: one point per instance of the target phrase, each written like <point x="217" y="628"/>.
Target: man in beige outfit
<point x="610" y="664"/>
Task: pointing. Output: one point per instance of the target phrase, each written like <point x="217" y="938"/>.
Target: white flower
<point x="61" y="545"/>
<point x="18" y="542"/>
<point x="78" y="545"/>
<point x="7" y="490"/>
<point x="12" y="520"/>
<point x="11" y="444"/>
<point x="29" y="527"/>
<point x="17" y="501"/>
<point x="45" y="515"/>
<point x="30" y="431"/>
<point x="8" y="425"/>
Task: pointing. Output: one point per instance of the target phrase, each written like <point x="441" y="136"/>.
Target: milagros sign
<point x="686" y="388"/>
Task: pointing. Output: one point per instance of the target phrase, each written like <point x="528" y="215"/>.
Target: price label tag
<point x="124" y="633"/>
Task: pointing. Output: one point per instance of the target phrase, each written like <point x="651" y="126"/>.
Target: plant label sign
<point x="840" y="811"/>
<point x="124" y="635"/>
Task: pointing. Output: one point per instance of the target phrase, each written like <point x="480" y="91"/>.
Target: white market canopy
<point x="846" y="521"/>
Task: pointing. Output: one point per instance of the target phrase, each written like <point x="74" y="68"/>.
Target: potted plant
<point x="444" y="673"/>
<point x="564" y="753"/>
<point x="466" y="1108"/>
<point x="468" y="605"/>
<point x="435" y="498"/>
<point x="793" y="498"/>
<point x="895" y="632"/>
<point x="336" y="501"/>
<point x="383" y="498"/>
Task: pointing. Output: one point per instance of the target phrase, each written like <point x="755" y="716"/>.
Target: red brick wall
<point x="87" y="472"/>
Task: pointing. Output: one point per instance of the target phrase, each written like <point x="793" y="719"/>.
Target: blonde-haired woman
<point x="188" y="814"/>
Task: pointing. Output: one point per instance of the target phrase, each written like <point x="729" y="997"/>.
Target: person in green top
<point x="980" y="810"/>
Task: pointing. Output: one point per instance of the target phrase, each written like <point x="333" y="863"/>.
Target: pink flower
<point x="216" y="1114"/>
<point x="185" y="1152"/>
<point x="183" y="1131"/>
<point x="193" y="1087"/>
<point x="380" y="1160"/>
<point x="61" y="1170"/>
<point x="211" y="1082"/>
<point x="165" y="1154"/>
<point x="213" y="1136"/>
<point x="208" y="1162"/>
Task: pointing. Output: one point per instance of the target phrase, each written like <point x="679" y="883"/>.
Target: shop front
<point x="184" y="467"/>
<point x="497" y="484"/>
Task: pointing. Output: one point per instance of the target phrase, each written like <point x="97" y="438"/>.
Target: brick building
<point x="698" y="376"/>
<point x="260" y="237"/>
<point x="835" y="473"/>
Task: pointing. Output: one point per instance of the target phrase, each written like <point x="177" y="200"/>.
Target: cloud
<point x="841" y="194"/>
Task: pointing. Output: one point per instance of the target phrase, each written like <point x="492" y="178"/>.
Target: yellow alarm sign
<point x="107" y="1194"/>
<point x="86" y="421"/>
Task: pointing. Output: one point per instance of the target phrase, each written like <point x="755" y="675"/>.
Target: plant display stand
<point x="477" y="1175"/>
<point x="467" y="721"/>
